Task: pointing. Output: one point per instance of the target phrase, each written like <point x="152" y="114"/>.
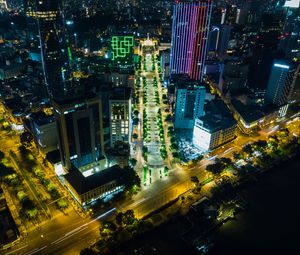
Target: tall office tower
<point x="191" y="22"/>
<point x="165" y="63"/>
<point x="241" y="16"/>
<point x="213" y="39"/>
<point x="55" y="53"/>
<point x="189" y="104"/>
<point x="281" y="83"/>
<point x="290" y="38"/>
<point x="80" y="131"/>
<point x="224" y="38"/>
<point x="265" y="50"/>
<point x="120" y="115"/>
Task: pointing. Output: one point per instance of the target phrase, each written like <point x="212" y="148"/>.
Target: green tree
<point x="109" y="225"/>
<point x="130" y="178"/>
<point x="248" y="149"/>
<point x="225" y="161"/>
<point x="195" y="180"/>
<point x="273" y="141"/>
<point x="23" y="151"/>
<point x="175" y="154"/>
<point x="215" y="168"/>
<point x="1" y="155"/>
<point x="132" y="162"/>
<point x="284" y="133"/>
<point x="236" y="156"/>
<point x="129" y="217"/>
<point x="145" y="149"/>
<point x="119" y="219"/>
<point x="26" y="138"/>
<point x="6" y="170"/>
<point x="169" y="118"/>
<point x="260" y="145"/>
<point x="62" y="203"/>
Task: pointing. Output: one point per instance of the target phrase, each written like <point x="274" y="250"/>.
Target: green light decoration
<point x="122" y="46"/>
<point x="69" y="54"/>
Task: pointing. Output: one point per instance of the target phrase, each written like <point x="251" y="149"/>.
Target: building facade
<point x="189" y="103"/>
<point x="120" y="116"/>
<point x="191" y="22"/>
<point x="44" y="131"/>
<point x="281" y="83"/>
<point x="80" y="132"/>
<point x="55" y="52"/>
<point x="211" y="132"/>
<point x="97" y="186"/>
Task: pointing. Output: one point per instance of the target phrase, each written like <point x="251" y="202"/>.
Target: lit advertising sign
<point x="122" y="46"/>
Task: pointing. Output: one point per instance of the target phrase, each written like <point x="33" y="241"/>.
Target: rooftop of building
<point x="41" y="118"/>
<point x="252" y="113"/>
<point x="182" y="81"/>
<point x="214" y="123"/>
<point x="217" y="107"/>
<point x="72" y="100"/>
<point x="119" y="149"/>
<point x="120" y="93"/>
<point x="15" y="105"/>
<point x="85" y="184"/>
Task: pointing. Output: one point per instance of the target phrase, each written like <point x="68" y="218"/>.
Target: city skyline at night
<point x="149" y="127"/>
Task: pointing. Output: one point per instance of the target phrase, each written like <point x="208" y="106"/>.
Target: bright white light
<point x="88" y="173"/>
<point x="17" y="128"/>
<point x="292" y="3"/>
<point x="282" y="66"/>
<point x="59" y="170"/>
<point x="201" y="138"/>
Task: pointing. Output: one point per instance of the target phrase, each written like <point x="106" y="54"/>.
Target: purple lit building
<point x="191" y="22"/>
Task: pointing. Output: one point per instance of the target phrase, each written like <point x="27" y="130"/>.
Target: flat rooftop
<point x="120" y="93"/>
<point x="252" y="113"/>
<point x="42" y="118"/>
<point x="213" y="123"/>
<point x="84" y="184"/>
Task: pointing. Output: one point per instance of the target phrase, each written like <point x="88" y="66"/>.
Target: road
<point x="68" y="234"/>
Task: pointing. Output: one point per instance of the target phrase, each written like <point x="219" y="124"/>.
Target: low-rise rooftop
<point x="85" y="184"/>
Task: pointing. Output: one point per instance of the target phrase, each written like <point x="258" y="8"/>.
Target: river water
<point x="271" y="223"/>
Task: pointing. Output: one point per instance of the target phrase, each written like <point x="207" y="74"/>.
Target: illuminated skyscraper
<point x="55" y="53"/>
<point x="191" y="22"/>
<point x="281" y="83"/>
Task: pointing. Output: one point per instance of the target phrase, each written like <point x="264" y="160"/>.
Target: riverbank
<point x="271" y="223"/>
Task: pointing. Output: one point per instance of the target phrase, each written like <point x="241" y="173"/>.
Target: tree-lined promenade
<point x="226" y="175"/>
